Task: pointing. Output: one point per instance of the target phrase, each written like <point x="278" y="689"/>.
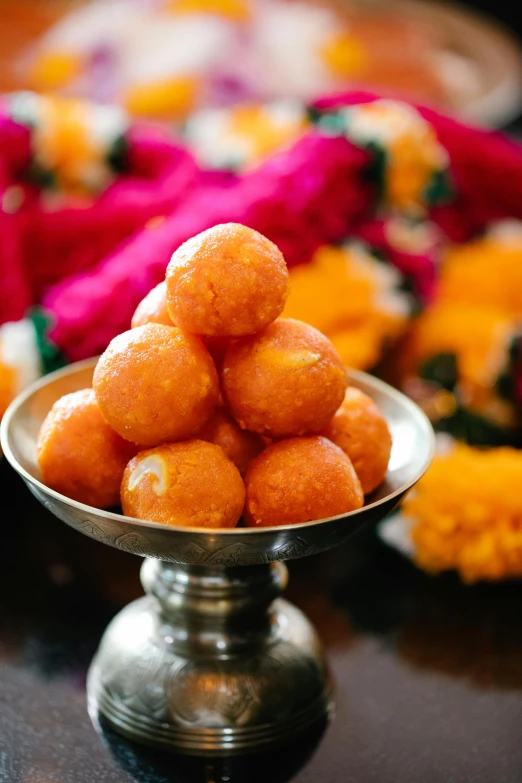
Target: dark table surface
<point x="428" y="672"/>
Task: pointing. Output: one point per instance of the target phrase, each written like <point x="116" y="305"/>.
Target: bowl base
<point x="210" y="663"/>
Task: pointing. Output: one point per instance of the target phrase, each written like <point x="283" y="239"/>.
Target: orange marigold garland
<point x="466" y="514"/>
<point x="353" y="298"/>
<point x="464" y="358"/>
<point x="408" y="160"/>
<point x="468" y="342"/>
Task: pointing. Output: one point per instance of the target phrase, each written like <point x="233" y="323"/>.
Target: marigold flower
<point x="486" y="272"/>
<point x="353" y="298"/>
<point x="466" y="514"/>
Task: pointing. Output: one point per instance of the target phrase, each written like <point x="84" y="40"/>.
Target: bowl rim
<point x="356" y="375"/>
<point x="496" y="104"/>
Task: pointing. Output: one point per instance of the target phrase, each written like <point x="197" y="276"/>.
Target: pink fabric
<point x="92" y="266"/>
<point x="309" y="195"/>
<point x="74" y="239"/>
<point x="15" y="295"/>
<point x="486" y="169"/>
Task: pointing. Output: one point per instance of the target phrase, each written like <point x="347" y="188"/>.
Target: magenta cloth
<point x="486" y="168"/>
<point x="309" y="195"/>
<point x="15" y="150"/>
<point x="95" y="265"/>
<point x="15" y="293"/>
<point x="57" y="244"/>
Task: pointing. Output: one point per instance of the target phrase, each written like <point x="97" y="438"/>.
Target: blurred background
<point x="130" y="50"/>
<point x="127" y="126"/>
<point x="355" y="135"/>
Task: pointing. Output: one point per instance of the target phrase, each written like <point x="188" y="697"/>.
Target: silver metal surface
<point x="211" y="661"/>
<point x="411" y="454"/>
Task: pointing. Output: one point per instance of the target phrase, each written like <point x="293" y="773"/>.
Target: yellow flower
<point x="265" y="128"/>
<point x="349" y="296"/>
<point x="70" y="139"/>
<point x="345" y="55"/>
<point x="413" y="152"/>
<point x="235" y="10"/>
<point x="7" y="386"/>
<point x="62" y="140"/>
<point x="479" y="336"/>
<point x="166" y="99"/>
<point x="54" y="70"/>
<point x="20" y="362"/>
<point x="359" y="346"/>
<point x="245" y="135"/>
<point x="486" y="272"/>
<point x="467" y="514"/>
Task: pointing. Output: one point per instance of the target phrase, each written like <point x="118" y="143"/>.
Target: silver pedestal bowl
<point x="211" y="660"/>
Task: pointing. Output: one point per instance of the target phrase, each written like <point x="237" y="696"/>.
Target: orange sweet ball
<point x="190" y="484"/>
<point x="287" y="380"/>
<point x="79" y="454"/>
<point x="239" y="445"/>
<point x="156" y="384"/>
<point x="153" y="309"/>
<point x="227" y="281"/>
<point x="217" y="348"/>
<point x="300" y="480"/>
<point x="360" y="430"/>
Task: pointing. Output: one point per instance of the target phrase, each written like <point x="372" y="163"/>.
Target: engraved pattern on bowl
<point x="411" y="454"/>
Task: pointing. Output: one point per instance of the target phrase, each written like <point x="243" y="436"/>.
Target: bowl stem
<point x="211" y="661"/>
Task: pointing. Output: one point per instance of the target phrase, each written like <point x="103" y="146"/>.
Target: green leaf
<point x="439" y="190"/>
<point x="477" y="431"/>
<point x="51" y="357"/>
<point x="117" y="154"/>
<point x="43" y="178"/>
<point x="442" y="370"/>
<point x="333" y="123"/>
<point x="313" y="114"/>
